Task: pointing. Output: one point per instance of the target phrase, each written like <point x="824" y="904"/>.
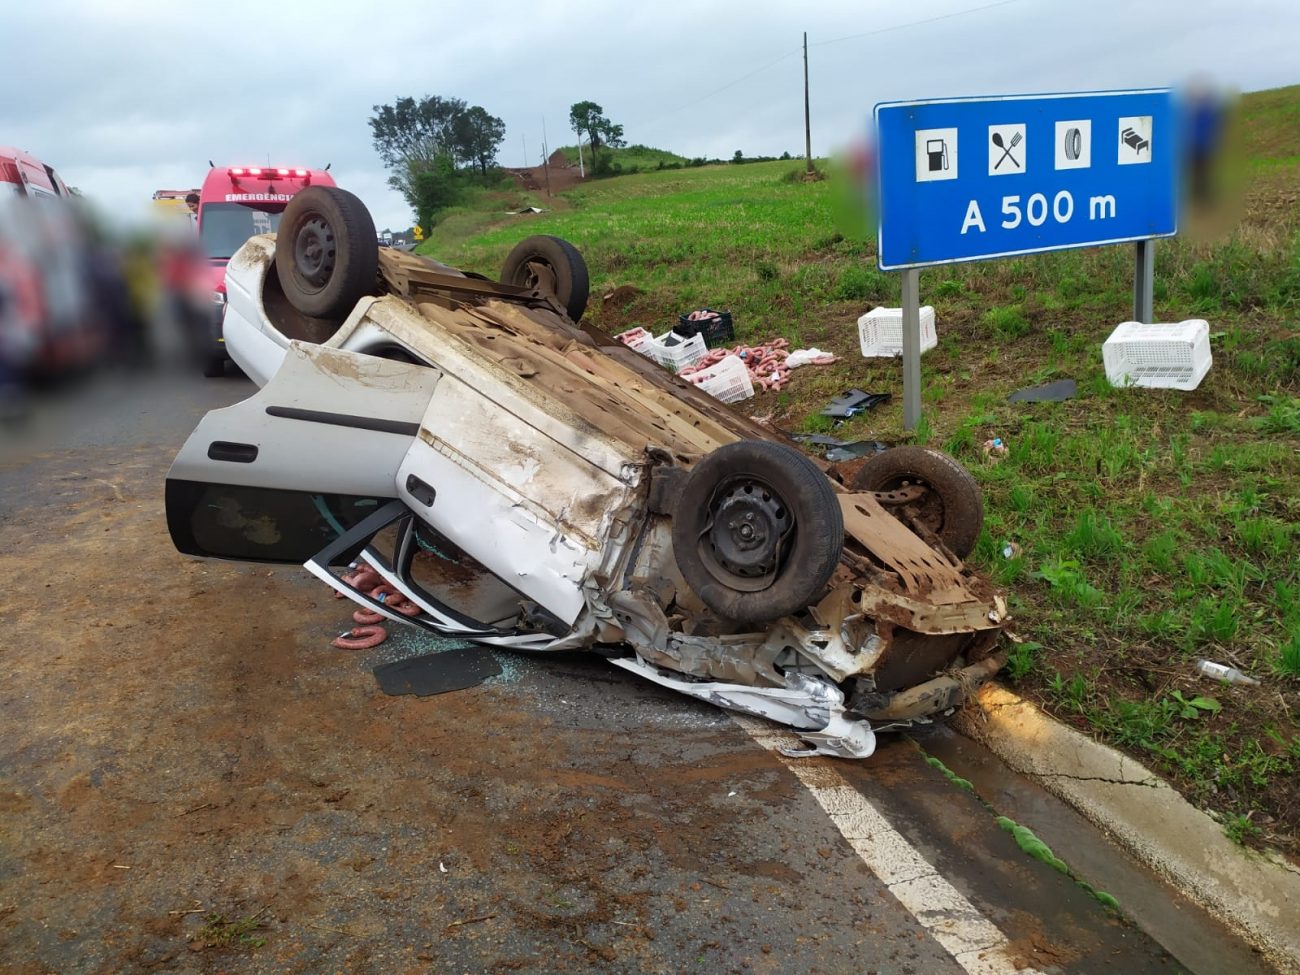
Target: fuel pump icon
<point x="937" y="151"/>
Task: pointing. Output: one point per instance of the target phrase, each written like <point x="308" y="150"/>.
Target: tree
<point x="410" y="135"/>
<point x="433" y="188"/>
<point x="478" y="137"/>
<point x="612" y="135"/>
<point x="589" y="118"/>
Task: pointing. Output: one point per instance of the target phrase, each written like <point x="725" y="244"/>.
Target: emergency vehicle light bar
<point x="265" y="173"/>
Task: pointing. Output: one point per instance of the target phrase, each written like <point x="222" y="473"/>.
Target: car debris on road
<point x="524" y="482"/>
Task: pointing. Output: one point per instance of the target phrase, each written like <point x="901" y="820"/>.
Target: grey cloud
<point x="130" y="97"/>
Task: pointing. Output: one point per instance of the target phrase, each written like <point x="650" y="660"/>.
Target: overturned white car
<point x="530" y="484"/>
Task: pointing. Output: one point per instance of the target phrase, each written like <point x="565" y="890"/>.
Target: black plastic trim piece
<point x="235" y="453"/>
<point x="377" y="424"/>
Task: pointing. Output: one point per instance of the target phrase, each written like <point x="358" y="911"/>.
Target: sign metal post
<point x="1144" y="271"/>
<point x="911" y="348"/>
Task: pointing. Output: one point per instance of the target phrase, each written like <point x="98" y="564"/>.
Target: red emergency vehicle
<point x="52" y="320"/>
<point x="235" y="203"/>
<point x="24" y="174"/>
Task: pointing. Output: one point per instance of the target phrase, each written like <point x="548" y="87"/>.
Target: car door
<point x="282" y="474"/>
<point x="523" y="490"/>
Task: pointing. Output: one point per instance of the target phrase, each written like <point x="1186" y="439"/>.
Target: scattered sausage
<point x="363" y="578"/>
<point x="367" y="633"/>
<point x="361" y="638"/>
<point x="765" y="361"/>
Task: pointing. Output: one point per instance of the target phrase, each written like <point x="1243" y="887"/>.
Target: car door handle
<point x="422" y="492"/>
<point x="235" y="453"/>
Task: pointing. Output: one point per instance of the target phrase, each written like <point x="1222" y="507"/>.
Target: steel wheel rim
<point x="747" y="533"/>
<point x="315" y="254"/>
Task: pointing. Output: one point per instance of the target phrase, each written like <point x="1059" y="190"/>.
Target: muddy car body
<point x="530" y="484"/>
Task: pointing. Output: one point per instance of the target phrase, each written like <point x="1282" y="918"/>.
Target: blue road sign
<point x="964" y="179"/>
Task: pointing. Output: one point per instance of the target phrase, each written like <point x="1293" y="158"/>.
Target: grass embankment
<point x="1155" y="527"/>
<point x="629" y="158"/>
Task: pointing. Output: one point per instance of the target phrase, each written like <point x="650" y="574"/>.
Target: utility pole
<point x="524" y="140"/>
<point x="807" y="122"/>
<point x="546" y="160"/>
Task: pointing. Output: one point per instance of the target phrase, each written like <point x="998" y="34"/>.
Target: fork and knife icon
<point x="1006" y="149"/>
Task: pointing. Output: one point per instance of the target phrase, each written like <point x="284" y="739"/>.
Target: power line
<point x="834" y="40"/>
<point x="730" y="84"/>
<point x="914" y="23"/>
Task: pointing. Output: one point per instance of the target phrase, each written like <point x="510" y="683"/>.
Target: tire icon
<point x="1073" y="144"/>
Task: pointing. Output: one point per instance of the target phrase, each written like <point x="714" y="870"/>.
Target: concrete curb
<point x="1255" y="895"/>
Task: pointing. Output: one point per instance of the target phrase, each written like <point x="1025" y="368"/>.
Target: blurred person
<point x="1205" y="115"/>
<point x="117" y="314"/>
<point x="185" y="297"/>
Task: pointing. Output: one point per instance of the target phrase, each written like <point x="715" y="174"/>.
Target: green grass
<point x="640" y="158"/>
<point x="1239" y="829"/>
<point x="1155" y="527"/>
<point x="695" y="238"/>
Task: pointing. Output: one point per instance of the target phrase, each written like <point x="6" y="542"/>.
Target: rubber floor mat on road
<point x="437" y="673"/>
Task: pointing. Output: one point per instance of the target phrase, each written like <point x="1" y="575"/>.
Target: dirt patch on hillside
<point x="536" y="179"/>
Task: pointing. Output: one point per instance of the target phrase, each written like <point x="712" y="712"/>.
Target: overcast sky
<point x="131" y="96"/>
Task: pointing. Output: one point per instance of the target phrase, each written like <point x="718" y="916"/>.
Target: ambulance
<point x="236" y="203"/>
<point x="22" y="174"/>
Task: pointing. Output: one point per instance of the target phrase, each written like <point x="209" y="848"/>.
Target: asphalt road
<point x="192" y="780"/>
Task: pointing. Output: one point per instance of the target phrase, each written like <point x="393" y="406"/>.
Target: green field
<point x="1154" y="527"/>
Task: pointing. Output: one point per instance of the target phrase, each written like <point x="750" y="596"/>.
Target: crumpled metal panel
<point x="813" y="707"/>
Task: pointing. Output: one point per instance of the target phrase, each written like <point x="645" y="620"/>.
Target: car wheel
<point x="952" y="506"/>
<point x="552" y="265"/>
<point x="326" y="255"/>
<point x="214" y="366"/>
<point x="757" y="531"/>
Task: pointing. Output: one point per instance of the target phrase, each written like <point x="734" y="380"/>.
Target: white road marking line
<point x="974" y="942"/>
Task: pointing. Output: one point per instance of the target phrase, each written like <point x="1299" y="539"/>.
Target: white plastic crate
<point x="880" y="331"/>
<point x="637" y="339"/>
<point x="1159" y="356"/>
<point x="685" y="352"/>
<point x="727" y="380"/>
<point x="679" y="355"/>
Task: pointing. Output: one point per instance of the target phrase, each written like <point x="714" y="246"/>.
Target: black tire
<point x="953" y="508"/>
<point x="326" y="254"/>
<point x="214" y="366"/>
<point x="782" y="541"/>
<point x="536" y="259"/>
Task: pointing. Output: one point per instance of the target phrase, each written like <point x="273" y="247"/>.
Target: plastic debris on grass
<point x="809" y="357"/>
<point x="994" y="449"/>
<point x="837" y="450"/>
<point x="1222" y="672"/>
<point x="853" y="402"/>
